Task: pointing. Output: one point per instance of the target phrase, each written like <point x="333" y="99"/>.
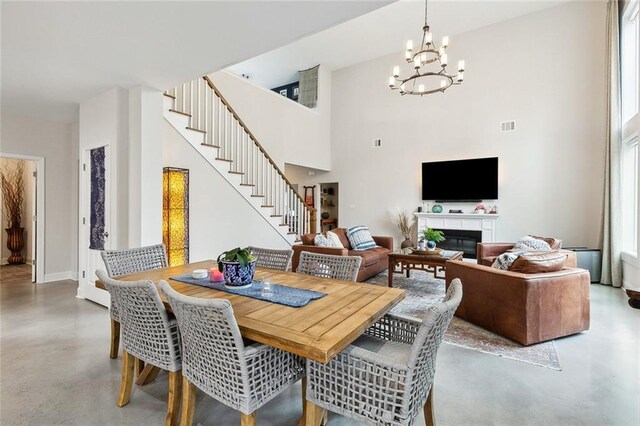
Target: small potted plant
<point x="432" y="236"/>
<point x="238" y="267"/>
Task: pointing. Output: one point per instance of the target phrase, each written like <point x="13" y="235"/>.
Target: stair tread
<point x="180" y="112"/>
<point x="209" y="145"/>
<point x="196" y="130"/>
<point x="235" y="173"/>
<point x="224" y="159"/>
<point x="284" y="224"/>
<point x="276" y="215"/>
<point x="169" y="95"/>
<point x="247" y="184"/>
<point x="266" y="205"/>
<point x="291" y="233"/>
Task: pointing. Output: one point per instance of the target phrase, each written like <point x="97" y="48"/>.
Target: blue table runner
<point x="283" y="295"/>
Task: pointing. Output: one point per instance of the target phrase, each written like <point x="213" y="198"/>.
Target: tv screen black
<point x="460" y="180"/>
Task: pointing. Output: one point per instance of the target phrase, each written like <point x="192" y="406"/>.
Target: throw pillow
<point x="554" y="243"/>
<point x="334" y="239"/>
<point x="529" y="263"/>
<point x="321" y="241"/>
<point x="505" y="260"/>
<point x="342" y="234"/>
<point x="307" y="239"/>
<point x="360" y="238"/>
<point x="529" y="243"/>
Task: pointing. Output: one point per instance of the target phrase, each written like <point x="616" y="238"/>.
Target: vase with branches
<point x="12" y="184"/>
<point x="405" y="223"/>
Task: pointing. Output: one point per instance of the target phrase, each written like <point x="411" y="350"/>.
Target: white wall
<point x="290" y="132"/>
<point x="53" y="141"/>
<point x="219" y="218"/>
<point x="545" y="70"/>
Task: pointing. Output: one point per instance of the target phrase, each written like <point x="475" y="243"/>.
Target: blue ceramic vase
<point x="235" y="275"/>
<point x="431" y="245"/>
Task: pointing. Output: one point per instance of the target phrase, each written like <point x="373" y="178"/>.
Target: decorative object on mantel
<point x="480" y="209"/>
<point x="407" y="226"/>
<point x="12" y="182"/>
<point x="456" y="211"/>
<point x="238" y="267"/>
<point x="494" y="210"/>
<point x="423" y="82"/>
<point x="432" y="237"/>
<point x="437" y="208"/>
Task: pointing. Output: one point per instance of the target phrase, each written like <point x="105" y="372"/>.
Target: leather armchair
<point x="526" y="308"/>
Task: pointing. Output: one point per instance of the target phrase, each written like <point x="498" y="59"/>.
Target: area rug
<point x="422" y="290"/>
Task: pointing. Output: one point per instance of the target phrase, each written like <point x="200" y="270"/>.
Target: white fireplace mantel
<point x="486" y="223"/>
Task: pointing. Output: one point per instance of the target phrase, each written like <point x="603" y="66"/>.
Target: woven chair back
<point x="425" y="346"/>
<point x="144" y="323"/>
<point x="272" y="258"/>
<point x="130" y="261"/>
<point x="329" y="266"/>
<point x="213" y="350"/>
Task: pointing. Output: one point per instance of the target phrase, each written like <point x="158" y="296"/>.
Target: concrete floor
<point x="55" y="369"/>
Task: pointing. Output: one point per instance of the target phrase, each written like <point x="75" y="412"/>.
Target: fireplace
<point x="461" y="240"/>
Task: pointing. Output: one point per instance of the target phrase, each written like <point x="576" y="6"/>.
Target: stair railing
<point x="225" y="131"/>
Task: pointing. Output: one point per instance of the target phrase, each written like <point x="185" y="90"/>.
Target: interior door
<point x="34" y="220"/>
<point x="96" y="218"/>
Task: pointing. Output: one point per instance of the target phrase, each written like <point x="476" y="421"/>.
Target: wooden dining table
<point x="317" y="331"/>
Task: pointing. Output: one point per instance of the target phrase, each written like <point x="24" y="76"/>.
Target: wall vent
<point x="508" y="126"/>
<point x="377" y="143"/>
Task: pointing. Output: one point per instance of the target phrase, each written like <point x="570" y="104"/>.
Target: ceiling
<point x="58" y="54"/>
<point x="379" y="33"/>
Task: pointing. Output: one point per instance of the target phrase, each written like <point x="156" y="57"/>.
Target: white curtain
<point x="612" y="226"/>
<point x="308" y="95"/>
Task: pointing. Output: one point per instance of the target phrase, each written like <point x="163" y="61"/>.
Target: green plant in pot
<point x="238" y="267"/>
<point x="432" y="237"/>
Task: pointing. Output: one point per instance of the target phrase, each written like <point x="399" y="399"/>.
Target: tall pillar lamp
<point x="175" y="214"/>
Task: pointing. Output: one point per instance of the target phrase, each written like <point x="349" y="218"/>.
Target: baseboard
<point x="60" y="276"/>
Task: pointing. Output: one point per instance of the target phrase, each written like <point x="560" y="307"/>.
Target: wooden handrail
<point x="255" y="141"/>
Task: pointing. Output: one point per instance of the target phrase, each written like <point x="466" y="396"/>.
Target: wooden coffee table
<point x="420" y="262"/>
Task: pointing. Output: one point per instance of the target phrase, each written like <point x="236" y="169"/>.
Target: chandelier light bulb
<point x="428" y="37"/>
<point x="461" y="65"/>
<point x="421" y="88"/>
<point x="445" y="41"/>
<point x="423" y="57"/>
<point x="396" y="71"/>
<point x="407" y="55"/>
<point x="409" y="45"/>
<point x="416" y="62"/>
<point x="444" y="59"/>
<point x="460" y="76"/>
<point x="392" y="81"/>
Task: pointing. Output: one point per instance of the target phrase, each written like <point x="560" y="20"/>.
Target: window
<point x="629" y="57"/>
<point x="630" y="196"/>
<point x="629" y="60"/>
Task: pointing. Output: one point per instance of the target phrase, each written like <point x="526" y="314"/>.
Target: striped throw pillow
<point x="360" y="238"/>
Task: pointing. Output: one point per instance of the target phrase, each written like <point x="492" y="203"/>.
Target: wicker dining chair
<point x="125" y="262"/>
<point x="148" y="334"/>
<point x="386" y="376"/>
<point x="329" y="266"/>
<point x="272" y="258"/>
<point x="216" y="360"/>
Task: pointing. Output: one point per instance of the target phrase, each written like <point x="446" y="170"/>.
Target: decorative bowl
<point x="199" y="274"/>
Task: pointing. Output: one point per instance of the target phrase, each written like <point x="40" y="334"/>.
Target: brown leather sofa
<point x="374" y="260"/>
<point x="487" y="252"/>
<point x="526" y="308"/>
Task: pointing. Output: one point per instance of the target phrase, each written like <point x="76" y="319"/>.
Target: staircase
<point x="200" y="113"/>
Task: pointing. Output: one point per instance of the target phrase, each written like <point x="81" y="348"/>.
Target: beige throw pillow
<point x="335" y="240"/>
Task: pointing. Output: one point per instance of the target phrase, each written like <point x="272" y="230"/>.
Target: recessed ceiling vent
<point x="508" y="126"/>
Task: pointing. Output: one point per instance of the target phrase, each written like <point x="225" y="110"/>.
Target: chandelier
<point x="422" y="81"/>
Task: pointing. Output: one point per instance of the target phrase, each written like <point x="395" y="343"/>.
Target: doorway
<point x="328" y="206"/>
<point x="27" y="263"/>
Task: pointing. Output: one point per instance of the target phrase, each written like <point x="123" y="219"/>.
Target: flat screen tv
<point x="460" y="180"/>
